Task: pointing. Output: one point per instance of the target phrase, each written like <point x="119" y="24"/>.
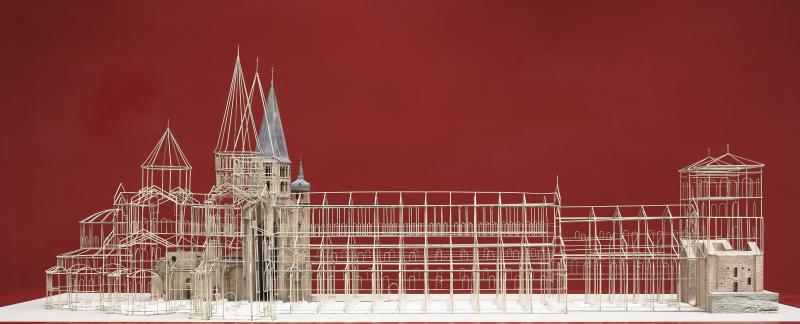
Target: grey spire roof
<point x="270" y="137"/>
<point x="300" y="184"/>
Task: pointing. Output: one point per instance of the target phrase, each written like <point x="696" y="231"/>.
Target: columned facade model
<point x="259" y="245"/>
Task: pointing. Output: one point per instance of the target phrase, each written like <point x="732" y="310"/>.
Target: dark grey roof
<point x="270" y="137"/>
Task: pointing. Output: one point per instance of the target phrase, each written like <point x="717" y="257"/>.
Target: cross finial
<point x="727" y="148"/>
<point x="256" y="64"/>
<point x="167" y="123"/>
<point x="709" y="151"/>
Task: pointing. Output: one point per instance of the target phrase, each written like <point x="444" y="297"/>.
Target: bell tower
<point x="271" y="141"/>
<point x="237" y="143"/>
<point x="726" y="192"/>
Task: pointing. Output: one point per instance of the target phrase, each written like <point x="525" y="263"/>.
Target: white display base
<point x="34" y="311"/>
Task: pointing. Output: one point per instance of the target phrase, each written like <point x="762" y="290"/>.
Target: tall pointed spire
<point x="277" y="127"/>
<point x="270" y="137"/>
<point x="238" y="131"/>
<point x="266" y="142"/>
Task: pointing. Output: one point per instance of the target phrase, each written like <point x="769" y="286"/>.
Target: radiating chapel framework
<point x="259" y="245"/>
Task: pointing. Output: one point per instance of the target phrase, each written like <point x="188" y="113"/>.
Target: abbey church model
<point x="259" y="245"/>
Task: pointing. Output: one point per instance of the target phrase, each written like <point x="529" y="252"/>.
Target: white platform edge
<point x="34" y="311"/>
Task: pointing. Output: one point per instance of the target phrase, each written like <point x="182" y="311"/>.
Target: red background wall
<point x="614" y="97"/>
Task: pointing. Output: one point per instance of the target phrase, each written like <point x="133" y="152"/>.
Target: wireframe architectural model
<point x="258" y="245"/>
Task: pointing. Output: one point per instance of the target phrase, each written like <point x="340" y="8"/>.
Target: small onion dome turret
<point x="300" y="184"/>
